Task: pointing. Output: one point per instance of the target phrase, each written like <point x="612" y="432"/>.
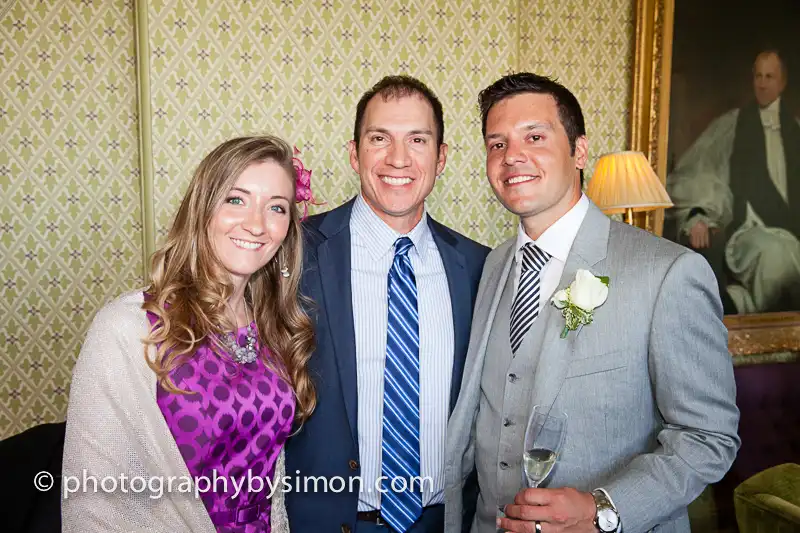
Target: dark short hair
<point x="399" y="87"/>
<point x="569" y="110"/>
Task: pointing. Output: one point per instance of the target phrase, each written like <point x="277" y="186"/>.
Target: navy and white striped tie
<point x="526" y="302"/>
<point x="400" y="448"/>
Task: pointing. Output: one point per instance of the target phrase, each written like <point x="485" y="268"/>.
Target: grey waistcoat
<point x="505" y="386"/>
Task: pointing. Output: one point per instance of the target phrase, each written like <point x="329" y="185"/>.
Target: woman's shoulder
<point x="116" y="332"/>
<point x="123" y="313"/>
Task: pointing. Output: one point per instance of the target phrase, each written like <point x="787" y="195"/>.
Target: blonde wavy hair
<point x="190" y="287"/>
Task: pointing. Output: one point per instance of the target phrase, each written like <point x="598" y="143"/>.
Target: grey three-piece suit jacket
<point x="647" y="387"/>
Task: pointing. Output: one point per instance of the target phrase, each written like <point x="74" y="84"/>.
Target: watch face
<point x="607" y="520"/>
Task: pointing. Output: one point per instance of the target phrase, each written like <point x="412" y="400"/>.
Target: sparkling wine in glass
<point x="544" y="438"/>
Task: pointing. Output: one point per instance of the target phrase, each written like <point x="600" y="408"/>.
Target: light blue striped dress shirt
<point x="372" y="254"/>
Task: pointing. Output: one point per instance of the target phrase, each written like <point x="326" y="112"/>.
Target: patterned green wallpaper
<point x="70" y="230"/>
<point x="297" y="69"/>
<point x="71" y="221"/>
<point x="588" y="46"/>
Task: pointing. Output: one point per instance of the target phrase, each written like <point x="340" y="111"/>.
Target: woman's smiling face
<point x="251" y="223"/>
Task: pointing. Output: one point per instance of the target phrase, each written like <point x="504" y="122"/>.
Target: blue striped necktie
<point x="400" y="449"/>
<point x="526" y="302"/>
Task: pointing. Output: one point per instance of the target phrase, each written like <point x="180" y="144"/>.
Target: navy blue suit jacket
<point x="327" y="445"/>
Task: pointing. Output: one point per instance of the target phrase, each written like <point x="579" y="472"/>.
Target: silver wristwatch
<point x="606" y="518"/>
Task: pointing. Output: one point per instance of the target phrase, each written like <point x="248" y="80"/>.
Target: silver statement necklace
<point x="241" y="354"/>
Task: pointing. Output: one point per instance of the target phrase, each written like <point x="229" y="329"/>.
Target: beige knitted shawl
<point x="115" y="430"/>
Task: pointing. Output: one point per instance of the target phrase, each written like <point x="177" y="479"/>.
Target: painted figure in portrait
<point x="734" y="148"/>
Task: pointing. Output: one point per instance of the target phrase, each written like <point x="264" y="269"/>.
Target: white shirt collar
<point x="380" y="237"/>
<point x="770" y="115"/>
<point x="557" y="239"/>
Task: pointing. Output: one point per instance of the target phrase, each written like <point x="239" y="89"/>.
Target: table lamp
<point x="624" y="182"/>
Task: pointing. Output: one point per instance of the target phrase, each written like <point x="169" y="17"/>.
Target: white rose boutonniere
<point x="578" y="301"/>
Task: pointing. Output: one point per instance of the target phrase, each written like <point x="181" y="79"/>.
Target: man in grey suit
<point x="647" y="386"/>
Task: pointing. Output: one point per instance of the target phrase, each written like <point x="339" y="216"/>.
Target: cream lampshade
<point x="624" y="182"/>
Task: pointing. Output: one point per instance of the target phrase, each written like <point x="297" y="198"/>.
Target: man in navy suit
<point x="355" y="255"/>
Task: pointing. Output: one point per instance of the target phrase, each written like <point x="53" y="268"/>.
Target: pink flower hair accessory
<point x="303" y="194"/>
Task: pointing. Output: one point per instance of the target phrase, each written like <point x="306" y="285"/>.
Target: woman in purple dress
<point x="223" y="376"/>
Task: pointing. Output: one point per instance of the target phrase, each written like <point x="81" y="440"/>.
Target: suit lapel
<point x="334" y="267"/>
<point x="455" y="269"/>
<point x="588" y="249"/>
<point x="461" y="421"/>
<point x="482" y="324"/>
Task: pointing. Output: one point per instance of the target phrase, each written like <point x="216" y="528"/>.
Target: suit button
<point x="512" y="378"/>
<point x="353" y="464"/>
<point x="345" y="528"/>
<point x="507" y="422"/>
<point x="504" y="465"/>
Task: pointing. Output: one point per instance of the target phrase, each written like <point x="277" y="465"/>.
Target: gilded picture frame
<point x="749" y="334"/>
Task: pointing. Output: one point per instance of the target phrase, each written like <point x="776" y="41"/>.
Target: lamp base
<point x="640" y="219"/>
<point x="628" y="218"/>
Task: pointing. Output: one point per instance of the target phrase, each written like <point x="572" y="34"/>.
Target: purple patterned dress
<point x="238" y="422"/>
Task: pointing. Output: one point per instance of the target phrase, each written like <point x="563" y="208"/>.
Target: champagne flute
<point x="544" y="438"/>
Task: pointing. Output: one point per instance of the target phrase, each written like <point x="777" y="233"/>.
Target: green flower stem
<point x="575" y="317"/>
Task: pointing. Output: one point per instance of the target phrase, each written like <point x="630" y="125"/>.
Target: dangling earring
<point x="284" y="269"/>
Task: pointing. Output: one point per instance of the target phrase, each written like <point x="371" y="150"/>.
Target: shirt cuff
<point x="687" y="226"/>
